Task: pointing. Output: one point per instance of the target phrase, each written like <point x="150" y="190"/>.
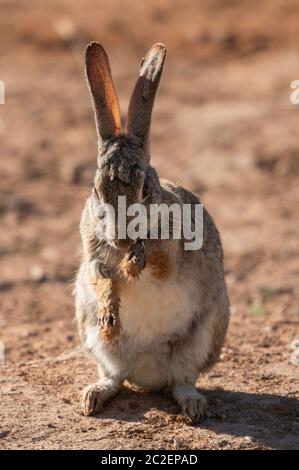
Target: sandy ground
<point x="223" y="126"/>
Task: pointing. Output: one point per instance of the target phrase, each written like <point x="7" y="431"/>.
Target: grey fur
<point x="173" y="327"/>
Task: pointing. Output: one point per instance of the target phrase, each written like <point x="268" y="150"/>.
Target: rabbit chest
<point x="154" y="311"/>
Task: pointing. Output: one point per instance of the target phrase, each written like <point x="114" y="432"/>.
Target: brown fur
<point x="128" y="269"/>
<point x="107" y="291"/>
<point x="134" y="261"/>
<point x="194" y="331"/>
<point x="159" y="263"/>
<point x="219" y="330"/>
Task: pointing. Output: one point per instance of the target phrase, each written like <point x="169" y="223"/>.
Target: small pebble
<point x="223" y="442"/>
<point x="51" y="425"/>
<point x="294" y="344"/>
<point x="37" y="273"/>
<point x="66" y="400"/>
<point x="269" y="328"/>
<point x="179" y="443"/>
<point x="65" y="27"/>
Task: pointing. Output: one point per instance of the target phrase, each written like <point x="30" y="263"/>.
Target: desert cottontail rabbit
<point x="148" y="311"/>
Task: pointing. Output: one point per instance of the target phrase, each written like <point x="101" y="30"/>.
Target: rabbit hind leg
<point x="192" y="403"/>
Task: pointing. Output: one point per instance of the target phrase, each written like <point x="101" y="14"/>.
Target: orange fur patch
<point x="109" y="334"/>
<point x="159" y="264"/>
<point x="129" y="270"/>
<point x="107" y="293"/>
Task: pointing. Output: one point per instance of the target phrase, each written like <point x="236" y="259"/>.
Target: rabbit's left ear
<point x="142" y="100"/>
<point x="105" y="101"/>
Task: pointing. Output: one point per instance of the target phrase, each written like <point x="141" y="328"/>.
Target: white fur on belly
<point x="153" y="311"/>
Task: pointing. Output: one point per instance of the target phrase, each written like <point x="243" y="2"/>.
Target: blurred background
<point x="223" y="126"/>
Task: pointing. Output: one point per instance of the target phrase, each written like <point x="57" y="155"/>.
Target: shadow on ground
<point x="231" y="413"/>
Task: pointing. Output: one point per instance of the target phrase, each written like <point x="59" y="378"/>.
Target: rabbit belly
<point x="154" y="318"/>
<point x="150" y="369"/>
<point x="153" y="312"/>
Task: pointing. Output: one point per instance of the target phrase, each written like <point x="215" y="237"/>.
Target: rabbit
<point x="165" y="309"/>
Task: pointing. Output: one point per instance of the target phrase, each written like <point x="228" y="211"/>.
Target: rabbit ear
<point x="142" y="100"/>
<point x="104" y="97"/>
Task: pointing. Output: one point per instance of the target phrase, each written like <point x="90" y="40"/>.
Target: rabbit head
<point x="123" y="163"/>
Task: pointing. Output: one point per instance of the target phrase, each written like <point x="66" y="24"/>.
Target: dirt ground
<point x="223" y="126"/>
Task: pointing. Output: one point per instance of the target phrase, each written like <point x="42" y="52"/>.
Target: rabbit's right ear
<point x="104" y="97"/>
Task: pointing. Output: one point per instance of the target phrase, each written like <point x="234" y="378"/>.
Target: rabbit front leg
<point x="152" y="253"/>
<point x="95" y="395"/>
<point x="135" y="260"/>
<point x="108" y="314"/>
